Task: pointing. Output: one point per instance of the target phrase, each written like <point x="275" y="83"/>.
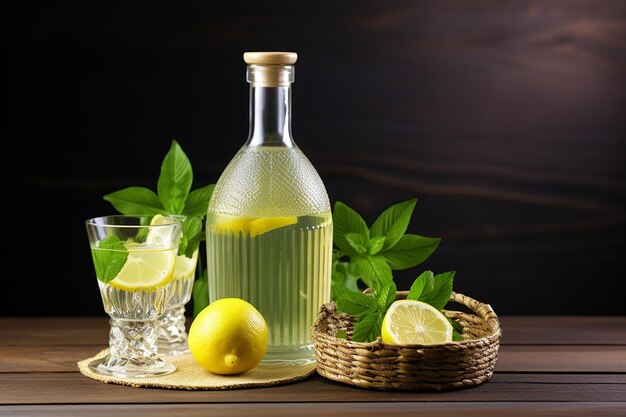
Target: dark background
<point x="505" y="118"/>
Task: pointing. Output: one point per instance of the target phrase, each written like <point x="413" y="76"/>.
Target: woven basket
<point x="382" y="366"/>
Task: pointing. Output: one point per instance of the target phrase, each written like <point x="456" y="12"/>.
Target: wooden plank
<point x="531" y="358"/>
<point x="540" y="358"/>
<point x="512" y="359"/>
<point x="54" y="331"/>
<point x="43" y="358"/>
<point x="475" y="409"/>
<point x="558" y="378"/>
<point x="73" y="388"/>
<point x="564" y="330"/>
<point x="559" y="330"/>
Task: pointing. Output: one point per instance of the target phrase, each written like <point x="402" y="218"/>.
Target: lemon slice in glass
<point x="145" y="268"/>
<point x="409" y="322"/>
<point x="160" y="235"/>
<point x="185" y="267"/>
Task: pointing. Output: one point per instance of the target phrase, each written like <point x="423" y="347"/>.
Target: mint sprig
<point x="378" y="250"/>
<point x="368" y="309"/>
<point x="173" y="196"/>
<point x="344" y="277"/>
<point x="432" y="289"/>
<point x="370" y="255"/>
<point x="109" y="258"/>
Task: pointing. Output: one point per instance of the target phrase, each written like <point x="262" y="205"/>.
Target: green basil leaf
<point x="346" y="220"/>
<point x="342" y="280"/>
<point x="411" y="250"/>
<point x="135" y="200"/>
<point x="373" y="270"/>
<point x="457" y="337"/>
<point x="375" y="244"/>
<point x="386" y="296"/>
<point x="367" y="328"/>
<point x="192" y="229"/>
<point x="458" y="327"/>
<point x="425" y="280"/>
<point x="192" y="245"/>
<point x="175" y="179"/>
<point x="109" y="258"/>
<point x="192" y="226"/>
<point x="393" y="222"/>
<point x="357" y="304"/>
<point x="357" y="242"/>
<point x="182" y="245"/>
<point x="439" y="294"/>
<point x="341" y="334"/>
<point x="197" y="201"/>
<point x="200" y="291"/>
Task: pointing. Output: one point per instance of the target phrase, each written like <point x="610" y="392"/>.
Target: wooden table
<point x="547" y="366"/>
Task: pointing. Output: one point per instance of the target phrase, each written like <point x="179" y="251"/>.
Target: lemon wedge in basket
<point x="409" y="322"/>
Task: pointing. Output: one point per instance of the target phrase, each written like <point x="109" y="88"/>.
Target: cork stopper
<point x="270" y="69"/>
<point x="270" y="58"/>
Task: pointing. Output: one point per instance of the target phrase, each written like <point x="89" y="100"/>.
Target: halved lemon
<point x="145" y="269"/>
<point x="415" y="322"/>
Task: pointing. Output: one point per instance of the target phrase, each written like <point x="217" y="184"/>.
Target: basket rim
<point x="482" y="310"/>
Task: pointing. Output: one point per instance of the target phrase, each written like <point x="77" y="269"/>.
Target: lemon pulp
<point x="145" y="268"/>
<point x="415" y="322"/>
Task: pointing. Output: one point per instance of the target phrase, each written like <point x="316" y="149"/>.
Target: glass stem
<point x="133" y="340"/>
<point x="172" y="324"/>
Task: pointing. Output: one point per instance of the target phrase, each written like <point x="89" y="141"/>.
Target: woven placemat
<point x="190" y="376"/>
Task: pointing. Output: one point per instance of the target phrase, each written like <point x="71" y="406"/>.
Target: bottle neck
<point x="270" y="107"/>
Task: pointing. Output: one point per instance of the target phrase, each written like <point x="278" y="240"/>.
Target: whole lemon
<point x="228" y="337"/>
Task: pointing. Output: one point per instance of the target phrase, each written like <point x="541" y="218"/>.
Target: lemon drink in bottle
<point x="269" y="225"/>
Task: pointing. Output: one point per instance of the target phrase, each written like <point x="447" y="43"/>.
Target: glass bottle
<point x="269" y="224"/>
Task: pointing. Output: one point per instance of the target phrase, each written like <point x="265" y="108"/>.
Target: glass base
<point x="125" y="368"/>
<point x="288" y="356"/>
<point x="173" y="349"/>
<point x="172" y="338"/>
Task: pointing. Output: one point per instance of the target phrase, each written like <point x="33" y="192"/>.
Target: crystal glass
<point x="172" y="334"/>
<point x="134" y="263"/>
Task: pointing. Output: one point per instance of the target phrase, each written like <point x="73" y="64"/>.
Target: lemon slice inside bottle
<point x="265" y="224"/>
<point x="254" y="226"/>
<point x="409" y="322"/>
<point x="145" y="268"/>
